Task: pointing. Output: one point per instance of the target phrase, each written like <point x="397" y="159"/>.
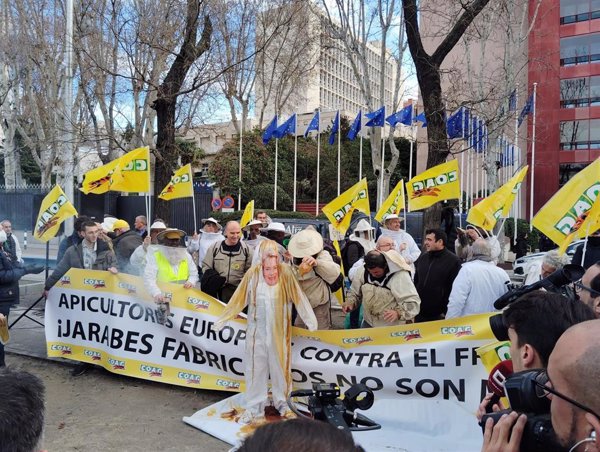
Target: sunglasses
<point x="543" y="390"/>
<point x="579" y="287"/>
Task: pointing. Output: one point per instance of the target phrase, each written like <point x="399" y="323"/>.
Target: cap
<point x="170" y="233"/>
<point x="158" y="225"/>
<point x="307" y="242"/>
<point x="119" y="224"/>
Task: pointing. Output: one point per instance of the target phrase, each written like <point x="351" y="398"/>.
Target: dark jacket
<point x="592" y="253"/>
<point x="73" y="239"/>
<point x="124" y="246"/>
<point x="10" y="273"/>
<point x="435" y="272"/>
<point x="105" y="258"/>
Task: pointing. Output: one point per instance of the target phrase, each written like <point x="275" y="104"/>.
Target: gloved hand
<point x="32" y="268"/>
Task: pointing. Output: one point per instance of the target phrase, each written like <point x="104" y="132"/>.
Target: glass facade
<point x="580" y="49"/>
<point x="572" y="11"/>
<point x="580" y="92"/>
<point x="582" y="134"/>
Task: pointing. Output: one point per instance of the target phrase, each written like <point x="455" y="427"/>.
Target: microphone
<point x="495" y="383"/>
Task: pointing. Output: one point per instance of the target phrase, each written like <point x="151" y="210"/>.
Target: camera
<point x="325" y="405"/>
<point x="563" y="276"/>
<point x="526" y="396"/>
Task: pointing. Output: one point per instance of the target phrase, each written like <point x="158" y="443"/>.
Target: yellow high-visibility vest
<point x="165" y="270"/>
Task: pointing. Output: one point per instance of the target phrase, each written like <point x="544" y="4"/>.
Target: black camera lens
<point x="498" y="328"/>
<point x="296" y="261"/>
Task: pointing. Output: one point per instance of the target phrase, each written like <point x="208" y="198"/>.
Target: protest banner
<point x="110" y="320"/>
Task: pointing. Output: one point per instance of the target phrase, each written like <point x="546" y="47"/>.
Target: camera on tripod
<point x="324" y="404"/>
<point x="525" y="393"/>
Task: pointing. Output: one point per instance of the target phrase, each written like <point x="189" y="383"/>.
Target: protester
<point x="435" y="272"/>
<point x="464" y="242"/>
<point x="478" y="284"/>
<point x="385" y="290"/>
<point x="21" y="411"/>
<point x="140" y="224"/>
<point x="405" y="244"/>
<point x="74" y="239"/>
<point x="125" y="243"/>
<point x="534" y="323"/>
<point x="210" y="234"/>
<point x="521" y="245"/>
<point x="225" y="263"/>
<point x="11" y="246"/>
<point x="592" y="251"/>
<point x="169" y="262"/>
<point x="573" y="370"/>
<point x="90" y="254"/>
<point x="269" y="290"/>
<point x="384" y="243"/>
<point x="542" y="268"/>
<point x="588" y="288"/>
<point x="262" y="216"/>
<point x="253" y="238"/>
<point x="299" y="435"/>
<point x="315" y="270"/>
<point x="275" y="231"/>
<point x="448" y="225"/>
<point x="137" y="261"/>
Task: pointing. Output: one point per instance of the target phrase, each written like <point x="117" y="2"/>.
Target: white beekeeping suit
<point x="268" y="289"/>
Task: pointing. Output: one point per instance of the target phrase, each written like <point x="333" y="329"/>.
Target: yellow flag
<point x="434" y="185"/>
<point x="339" y="294"/>
<point x="486" y="213"/>
<point x="248" y="214"/>
<point x="98" y="180"/>
<point x="132" y="173"/>
<point x="566" y="211"/>
<point x="55" y="209"/>
<point x="589" y="225"/>
<point x="339" y="211"/>
<point x="180" y="186"/>
<point x="394" y="203"/>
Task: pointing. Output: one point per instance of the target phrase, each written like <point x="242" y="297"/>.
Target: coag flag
<point x="394" y="202"/>
<point x="97" y="180"/>
<point x="180" y="186"/>
<point x="487" y="212"/>
<point x="55" y="209"/>
<point x="339" y="211"/>
<point x="132" y="173"/>
<point x="248" y="214"/>
<point x="434" y="185"/>
<point x="589" y="225"/>
<point x="565" y="212"/>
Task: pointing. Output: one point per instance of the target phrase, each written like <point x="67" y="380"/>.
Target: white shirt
<point x="476" y="287"/>
<point x="412" y="251"/>
<point x="203" y="243"/>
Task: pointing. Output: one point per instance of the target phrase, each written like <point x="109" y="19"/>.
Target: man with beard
<point x="254" y="238"/>
<point x="573" y="369"/>
<point x="169" y="262"/>
<point x="210" y="233"/>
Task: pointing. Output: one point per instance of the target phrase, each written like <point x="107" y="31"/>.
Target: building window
<point x="568" y="170"/>
<point x="580" y="50"/>
<point x="575" y="135"/>
<point x="204" y="170"/>
<point x="572" y="11"/>
<point x="580" y="92"/>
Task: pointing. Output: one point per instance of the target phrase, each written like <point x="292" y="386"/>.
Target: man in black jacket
<point x="125" y="242"/>
<point x="435" y="272"/>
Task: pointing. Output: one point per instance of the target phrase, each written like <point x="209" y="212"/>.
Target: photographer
<point x="533" y="324"/>
<point x="573" y="371"/>
<point x="588" y="289"/>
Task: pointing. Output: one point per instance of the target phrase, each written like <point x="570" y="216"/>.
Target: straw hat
<point x="392" y="216"/>
<point x="170" y="233"/>
<point x="254" y="223"/>
<point x="211" y="220"/>
<point x="307" y="242"/>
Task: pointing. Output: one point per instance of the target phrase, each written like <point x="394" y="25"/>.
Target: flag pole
<point x="339" y="152"/>
<point x="148" y="196"/>
<point x="318" y="162"/>
<point x="518" y="200"/>
<point x="462" y="167"/>
<point x="239" y="172"/>
<point x="360" y="163"/>
<point x="382" y="163"/>
<point x="194" y="200"/>
<point x="275" y="188"/>
<point x="587" y="233"/>
<point x="295" y="156"/>
<point x="532" y="186"/>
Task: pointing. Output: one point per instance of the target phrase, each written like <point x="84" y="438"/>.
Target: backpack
<point x="345" y="250"/>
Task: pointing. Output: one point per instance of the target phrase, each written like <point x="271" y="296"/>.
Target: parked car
<point x="522" y="264"/>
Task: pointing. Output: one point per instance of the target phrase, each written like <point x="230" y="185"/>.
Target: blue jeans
<point x="4" y="309"/>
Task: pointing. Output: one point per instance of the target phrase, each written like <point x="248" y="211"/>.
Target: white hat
<point x="254" y="223"/>
<point x="3" y="237"/>
<point x="363" y="226"/>
<point x="158" y="225"/>
<point x="211" y="220"/>
<point x="171" y="233"/>
<point x="274" y="226"/>
<point x="307" y="242"/>
<point x="391" y="216"/>
<point x="107" y="224"/>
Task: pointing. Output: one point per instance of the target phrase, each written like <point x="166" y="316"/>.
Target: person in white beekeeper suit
<point x="268" y="289"/>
